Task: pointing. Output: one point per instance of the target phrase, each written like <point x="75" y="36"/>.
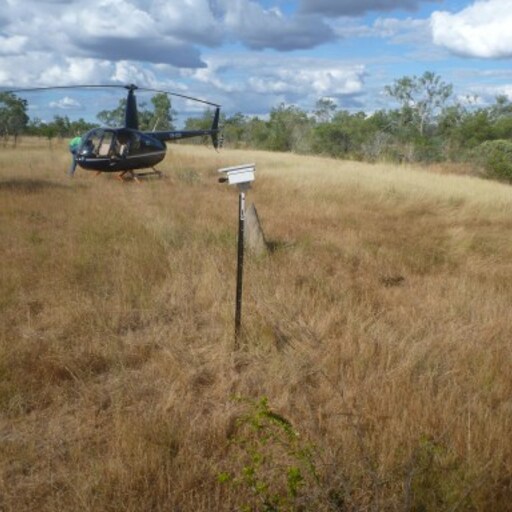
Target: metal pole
<point x="240" y="265"/>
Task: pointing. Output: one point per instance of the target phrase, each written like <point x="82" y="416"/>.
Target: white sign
<point x="239" y="174"/>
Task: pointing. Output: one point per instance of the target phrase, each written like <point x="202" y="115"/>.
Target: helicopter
<point x="127" y="149"/>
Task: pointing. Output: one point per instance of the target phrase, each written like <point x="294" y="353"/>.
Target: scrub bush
<point x="495" y="158"/>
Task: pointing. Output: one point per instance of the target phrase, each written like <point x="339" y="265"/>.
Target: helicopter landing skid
<point x="128" y="176"/>
<point x="155" y="173"/>
<point x="133" y="176"/>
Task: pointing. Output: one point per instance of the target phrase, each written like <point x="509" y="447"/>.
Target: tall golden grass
<point x="378" y="329"/>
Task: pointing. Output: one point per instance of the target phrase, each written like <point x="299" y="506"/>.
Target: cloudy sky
<point x="251" y="55"/>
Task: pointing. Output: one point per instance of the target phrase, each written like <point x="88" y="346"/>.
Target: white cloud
<point x="397" y="31"/>
<point x="128" y="73"/>
<point x="111" y="30"/>
<point x="482" y="30"/>
<point x="190" y="20"/>
<point x="142" y="31"/>
<point x="257" y="83"/>
<point x="66" y="103"/>
<point x="109" y="18"/>
<point x="73" y="71"/>
<point x="501" y="90"/>
<point x="12" y="45"/>
<point x="311" y="81"/>
<point x="484" y="96"/>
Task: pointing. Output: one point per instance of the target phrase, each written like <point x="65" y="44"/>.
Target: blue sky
<point x="252" y="55"/>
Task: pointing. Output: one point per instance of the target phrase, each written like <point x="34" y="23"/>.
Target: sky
<point x="253" y="55"/>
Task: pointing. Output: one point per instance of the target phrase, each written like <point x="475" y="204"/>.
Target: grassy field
<point x="374" y="372"/>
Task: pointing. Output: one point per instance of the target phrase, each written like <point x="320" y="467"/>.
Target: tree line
<point x="427" y="124"/>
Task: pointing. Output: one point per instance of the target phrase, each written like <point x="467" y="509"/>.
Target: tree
<point x="113" y="118"/>
<point x="495" y="157"/>
<point x="501" y="115"/>
<point x="421" y="98"/>
<point x="288" y="129"/>
<point x="59" y="127"/>
<point x="62" y="126"/>
<point x="145" y="116"/>
<point x="344" y="136"/>
<point x="235" y="129"/>
<point x="502" y="108"/>
<point x="160" y="118"/>
<point x="49" y="131"/>
<point x="448" y="129"/>
<point x="163" y="113"/>
<point x="80" y="127"/>
<point x="200" y="123"/>
<point x="474" y="128"/>
<point x="13" y="115"/>
<point x="324" y="110"/>
<point x="256" y="134"/>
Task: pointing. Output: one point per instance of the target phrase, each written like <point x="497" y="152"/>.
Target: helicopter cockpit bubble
<point x="91" y="142"/>
<point x="98" y="143"/>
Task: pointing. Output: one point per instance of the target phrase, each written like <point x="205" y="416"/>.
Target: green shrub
<point x="275" y="468"/>
<point x="495" y="158"/>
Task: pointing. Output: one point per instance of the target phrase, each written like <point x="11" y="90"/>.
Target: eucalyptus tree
<point x="421" y="99"/>
<point x="163" y="113"/>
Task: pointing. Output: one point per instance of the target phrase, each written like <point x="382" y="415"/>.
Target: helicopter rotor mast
<point x="131" y="118"/>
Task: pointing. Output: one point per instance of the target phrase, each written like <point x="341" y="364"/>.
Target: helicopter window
<point x="149" y="145"/>
<point x="106" y="144"/>
<point x="98" y="143"/>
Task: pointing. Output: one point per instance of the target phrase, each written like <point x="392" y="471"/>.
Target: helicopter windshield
<point x="97" y="143"/>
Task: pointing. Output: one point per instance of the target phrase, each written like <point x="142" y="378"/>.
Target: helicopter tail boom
<point x="213" y="132"/>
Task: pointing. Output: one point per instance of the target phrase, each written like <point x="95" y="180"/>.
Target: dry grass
<point x="379" y="327"/>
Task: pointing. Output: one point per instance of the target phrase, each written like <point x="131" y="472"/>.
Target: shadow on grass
<point x="274" y="246"/>
<point x="30" y="185"/>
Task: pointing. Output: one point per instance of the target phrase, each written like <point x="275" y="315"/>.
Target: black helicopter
<point x="127" y="149"/>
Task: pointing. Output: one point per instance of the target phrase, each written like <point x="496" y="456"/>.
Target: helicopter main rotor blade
<point x="51" y="88"/>
<point x="110" y="86"/>
<point x="179" y="95"/>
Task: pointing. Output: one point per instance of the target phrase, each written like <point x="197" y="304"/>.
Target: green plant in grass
<point x="275" y="466"/>
<point x="437" y="479"/>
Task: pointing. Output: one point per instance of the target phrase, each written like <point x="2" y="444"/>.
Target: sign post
<point x="242" y="176"/>
<point x="240" y="263"/>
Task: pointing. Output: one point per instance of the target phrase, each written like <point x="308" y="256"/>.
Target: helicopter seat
<point x="123" y="150"/>
<point x="104" y="149"/>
